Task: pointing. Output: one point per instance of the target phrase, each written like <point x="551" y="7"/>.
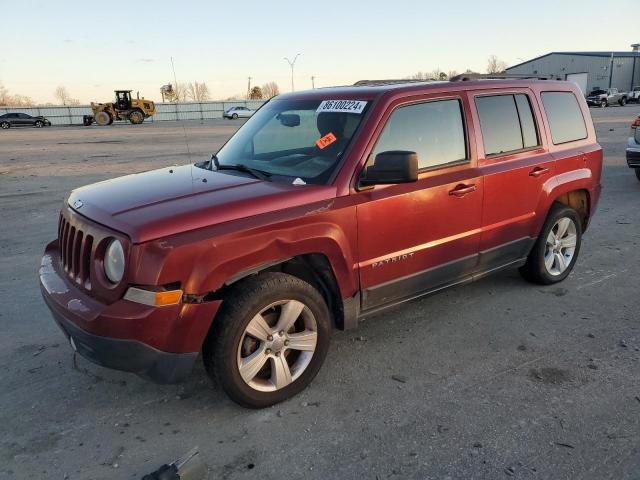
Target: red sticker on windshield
<point x="325" y="141"/>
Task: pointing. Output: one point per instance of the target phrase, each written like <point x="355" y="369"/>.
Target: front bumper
<point x="158" y="343"/>
<point x="594" y="102"/>
<point x="633" y="153"/>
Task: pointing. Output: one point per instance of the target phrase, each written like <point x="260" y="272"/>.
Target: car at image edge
<point x="9" y="120"/>
<point x="633" y="148"/>
<point x="325" y="207"/>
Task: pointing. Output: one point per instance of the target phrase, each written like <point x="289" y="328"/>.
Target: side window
<point x="565" y="117"/>
<point x="507" y="123"/>
<point x="434" y="130"/>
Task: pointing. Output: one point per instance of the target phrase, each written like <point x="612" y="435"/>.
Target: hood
<point x="158" y="203"/>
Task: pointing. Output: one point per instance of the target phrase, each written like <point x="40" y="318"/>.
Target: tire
<point x="39" y="124"/>
<point x="604" y="104"/>
<point x="229" y="344"/>
<point x="537" y="270"/>
<point x="5" y="125"/>
<point x="103" y="118"/>
<point x="637" y="173"/>
<point x="623" y="102"/>
<point x="136" y="117"/>
<point x="234" y="116"/>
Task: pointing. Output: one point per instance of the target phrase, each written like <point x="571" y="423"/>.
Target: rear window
<point x="565" y="117"/>
<point x="507" y="123"/>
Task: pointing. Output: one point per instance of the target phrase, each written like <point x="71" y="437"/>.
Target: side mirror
<point x="395" y="166"/>
<point x="289" y="119"/>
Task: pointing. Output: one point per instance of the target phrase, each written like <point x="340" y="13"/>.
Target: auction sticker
<point x="342" y="106"/>
<point x="325" y="141"/>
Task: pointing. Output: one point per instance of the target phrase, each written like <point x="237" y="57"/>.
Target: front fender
<point x="204" y="260"/>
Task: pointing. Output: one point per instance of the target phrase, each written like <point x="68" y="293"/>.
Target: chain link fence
<point x="72" y="114"/>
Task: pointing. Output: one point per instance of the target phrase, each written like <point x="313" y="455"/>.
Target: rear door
<point x="418" y="237"/>
<point x="515" y="165"/>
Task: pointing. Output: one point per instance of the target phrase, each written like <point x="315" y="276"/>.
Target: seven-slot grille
<point x="75" y="252"/>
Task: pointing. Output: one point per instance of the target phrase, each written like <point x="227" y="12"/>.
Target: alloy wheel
<point x="277" y="345"/>
<point x="560" y="246"/>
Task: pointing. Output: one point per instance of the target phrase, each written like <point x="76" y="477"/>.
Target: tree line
<point x="199" y="91"/>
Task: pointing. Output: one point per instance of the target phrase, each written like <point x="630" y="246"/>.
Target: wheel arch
<point x="580" y="201"/>
<point x="314" y="268"/>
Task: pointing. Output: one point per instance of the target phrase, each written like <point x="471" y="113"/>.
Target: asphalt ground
<point x="496" y="379"/>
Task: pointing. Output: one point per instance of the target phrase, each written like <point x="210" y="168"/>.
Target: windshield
<point x="598" y="92"/>
<point x="295" y="140"/>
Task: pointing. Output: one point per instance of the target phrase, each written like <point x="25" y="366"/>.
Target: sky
<point x="93" y="48"/>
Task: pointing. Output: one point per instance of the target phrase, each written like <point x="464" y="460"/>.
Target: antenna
<point x="313" y="81"/>
<point x="249" y="88"/>
<point x="177" y="92"/>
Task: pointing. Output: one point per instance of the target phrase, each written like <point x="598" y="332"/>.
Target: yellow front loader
<point x="124" y="108"/>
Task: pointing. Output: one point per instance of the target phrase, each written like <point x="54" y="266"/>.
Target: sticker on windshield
<point x="325" y="141"/>
<point x="342" y="106"/>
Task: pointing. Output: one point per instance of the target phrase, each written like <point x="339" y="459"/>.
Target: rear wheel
<point x="136" y="117"/>
<point x="5" y="125"/>
<point x="623" y="101"/>
<point x="103" y="119"/>
<point x="555" y="252"/>
<point x="269" y="340"/>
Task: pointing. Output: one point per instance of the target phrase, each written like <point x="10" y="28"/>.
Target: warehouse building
<point x="589" y="70"/>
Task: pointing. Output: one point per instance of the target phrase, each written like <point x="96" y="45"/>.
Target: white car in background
<point x="237" y="112"/>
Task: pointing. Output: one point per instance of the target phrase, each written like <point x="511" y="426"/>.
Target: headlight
<point x="114" y="261"/>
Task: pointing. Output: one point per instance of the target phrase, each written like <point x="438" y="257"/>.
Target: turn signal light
<point x="153" y="299"/>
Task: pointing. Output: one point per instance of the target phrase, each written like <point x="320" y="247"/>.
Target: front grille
<point x="75" y="252"/>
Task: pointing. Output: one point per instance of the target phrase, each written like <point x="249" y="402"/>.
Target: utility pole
<point x="611" y="70"/>
<point x="249" y="88"/>
<point x="313" y="81"/>
<point x="292" y="64"/>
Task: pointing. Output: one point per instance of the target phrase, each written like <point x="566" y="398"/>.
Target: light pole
<point x="292" y="64"/>
<point x="313" y="82"/>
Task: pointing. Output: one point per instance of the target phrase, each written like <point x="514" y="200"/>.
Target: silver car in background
<point x="237" y="112"/>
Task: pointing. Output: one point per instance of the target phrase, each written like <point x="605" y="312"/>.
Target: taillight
<point x="636" y="123"/>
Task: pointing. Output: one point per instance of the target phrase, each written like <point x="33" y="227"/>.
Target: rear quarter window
<point x="564" y="116"/>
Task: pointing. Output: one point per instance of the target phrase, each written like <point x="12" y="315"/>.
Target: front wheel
<point x="234" y="116"/>
<point x="603" y="104"/>
<point x="136" y="117"/>
<point x="39" y="124"/>
<point x="269" y="340"/>
<point x="637" y="173"/>
<point x="556" y="250"/>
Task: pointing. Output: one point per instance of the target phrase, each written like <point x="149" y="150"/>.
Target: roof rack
<point x="463" y="77"/>
<point x="369" y="83"/>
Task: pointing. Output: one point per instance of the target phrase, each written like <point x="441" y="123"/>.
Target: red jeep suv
<point x="326" y="206"/>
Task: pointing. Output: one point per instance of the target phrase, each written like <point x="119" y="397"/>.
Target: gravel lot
<point x="491" y="380"/>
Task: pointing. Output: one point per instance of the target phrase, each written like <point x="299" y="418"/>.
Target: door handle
<point x="536" y="172"/>
<point x="461" y="190"/>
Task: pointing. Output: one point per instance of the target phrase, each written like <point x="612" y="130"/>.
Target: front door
<point x="418" y="237"/>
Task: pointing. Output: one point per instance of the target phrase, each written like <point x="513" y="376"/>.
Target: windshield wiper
<point x="239" y="167"/>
